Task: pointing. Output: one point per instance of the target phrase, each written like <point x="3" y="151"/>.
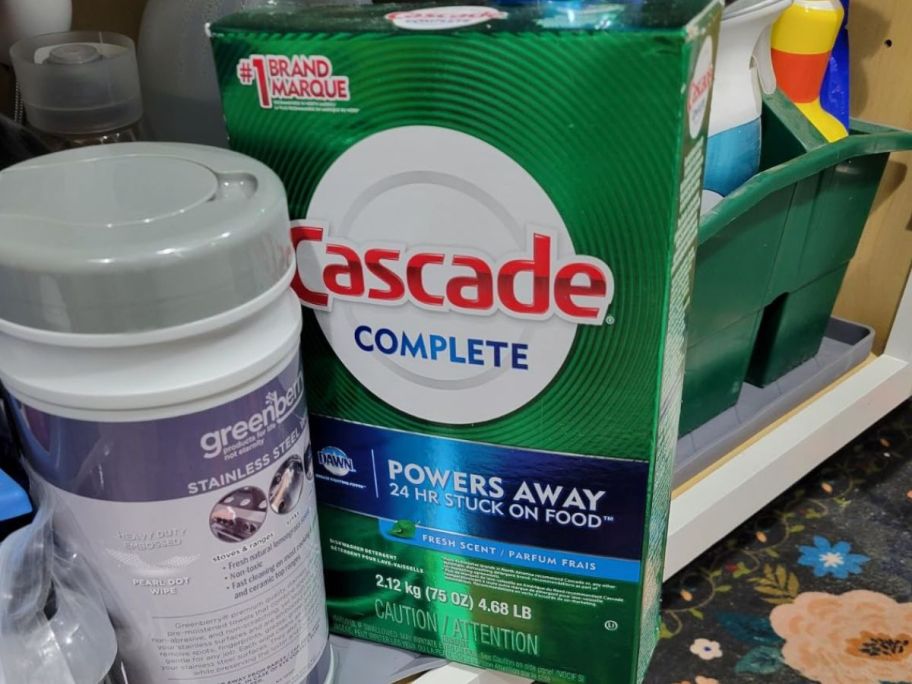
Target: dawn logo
<point x="336" y="462"/>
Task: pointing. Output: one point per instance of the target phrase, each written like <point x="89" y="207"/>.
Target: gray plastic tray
<point x="844" y="346"/>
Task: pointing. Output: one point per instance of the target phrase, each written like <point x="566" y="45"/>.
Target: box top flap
<point x="437" y="17"/>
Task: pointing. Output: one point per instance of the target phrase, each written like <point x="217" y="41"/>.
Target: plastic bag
<point x="53" y="623"/>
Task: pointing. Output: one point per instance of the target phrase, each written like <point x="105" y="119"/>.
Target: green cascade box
<point x="494" y="216"/>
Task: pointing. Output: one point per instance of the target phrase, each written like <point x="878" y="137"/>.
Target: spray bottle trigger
<point x="763" y="59"/>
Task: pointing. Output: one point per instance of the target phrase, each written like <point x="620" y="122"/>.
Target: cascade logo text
<point x="436" y="18"/>
<point x="531" y="285"/>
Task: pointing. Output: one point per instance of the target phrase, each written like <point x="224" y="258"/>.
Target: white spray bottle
<point x="743" y="68"/>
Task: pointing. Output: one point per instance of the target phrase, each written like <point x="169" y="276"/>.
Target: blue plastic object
<point x="15" y="505"/>
<point x="14" y="502"/>
<point x="834" y="94"/>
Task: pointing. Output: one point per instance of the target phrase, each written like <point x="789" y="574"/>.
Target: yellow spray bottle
<point x="802" y="40"/>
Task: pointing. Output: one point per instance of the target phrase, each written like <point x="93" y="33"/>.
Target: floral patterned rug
<point x="817" y="587"/>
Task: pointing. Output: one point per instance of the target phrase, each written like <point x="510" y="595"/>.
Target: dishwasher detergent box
<point x="494" y="213"/>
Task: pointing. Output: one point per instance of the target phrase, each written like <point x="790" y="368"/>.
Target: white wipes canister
<point x="149" y="347"/>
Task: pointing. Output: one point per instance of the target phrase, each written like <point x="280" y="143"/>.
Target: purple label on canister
<point x="170" y="458"/>
<point x="201" y="529"/>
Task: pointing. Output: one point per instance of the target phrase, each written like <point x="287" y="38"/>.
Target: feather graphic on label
<point x="144" y="568"/>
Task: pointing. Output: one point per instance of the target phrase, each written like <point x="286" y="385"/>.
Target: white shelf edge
<point x="454" y="673"/>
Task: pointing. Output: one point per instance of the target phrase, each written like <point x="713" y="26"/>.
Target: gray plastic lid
<point x="78" y="82"/>
<point x="138" y="236"/>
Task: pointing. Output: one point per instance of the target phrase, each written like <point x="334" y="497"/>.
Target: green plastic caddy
<point x="772" y="256"/>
